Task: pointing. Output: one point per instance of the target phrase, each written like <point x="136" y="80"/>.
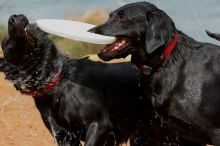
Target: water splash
<point x="138" y="77"/>
<point x="52" y="127"/>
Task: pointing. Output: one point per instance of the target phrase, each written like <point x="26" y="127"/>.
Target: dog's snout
<point x="16" y="25"/>
<point x="18" y="20"/>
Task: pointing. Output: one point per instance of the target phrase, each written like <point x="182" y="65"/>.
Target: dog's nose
<point x="97" y="30"/>
<point x="18" y="20"/>
<point x="12" y="20"/>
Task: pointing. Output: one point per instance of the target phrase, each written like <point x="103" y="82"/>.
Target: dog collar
<point x="167" y="51"/>
<point x="48" y="87"/>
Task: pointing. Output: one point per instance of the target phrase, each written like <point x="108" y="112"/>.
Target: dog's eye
<point x="148" y="16"/>
<point x="122" y="18"/>
<point x="120" y="13"/>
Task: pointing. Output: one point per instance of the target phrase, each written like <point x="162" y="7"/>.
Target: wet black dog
<point x="185" y="73"/>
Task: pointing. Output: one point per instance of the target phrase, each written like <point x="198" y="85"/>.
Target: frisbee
<point x="73" y="30"/>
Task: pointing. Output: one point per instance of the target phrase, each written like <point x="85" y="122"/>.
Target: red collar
<point x="170" y="47"/>
<point x="167" y="51"/>
<point x="48" y="87"/>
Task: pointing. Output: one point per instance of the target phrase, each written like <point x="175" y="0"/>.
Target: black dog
<point x="184" y="73"/>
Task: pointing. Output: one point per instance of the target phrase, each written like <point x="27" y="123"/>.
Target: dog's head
<point x="29" y="56"/>
<point x="141" y="28"/>
<point x="24" y="42"/>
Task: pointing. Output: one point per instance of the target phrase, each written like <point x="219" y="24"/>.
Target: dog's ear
<point x="155" y="35"/>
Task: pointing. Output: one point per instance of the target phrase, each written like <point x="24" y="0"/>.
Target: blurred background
<point x="191" y="16"/>
<point x="20" y="122"/>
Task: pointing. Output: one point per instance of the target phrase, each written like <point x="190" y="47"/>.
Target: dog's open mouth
<point x="16" y="26"/>
<point x="118" y="49"/>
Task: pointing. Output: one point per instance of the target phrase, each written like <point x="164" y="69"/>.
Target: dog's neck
<point x="180" y="44"/>
<point x="36" y="76"/>
<point x="160" y="56"/>
<point x="47" y="87"/>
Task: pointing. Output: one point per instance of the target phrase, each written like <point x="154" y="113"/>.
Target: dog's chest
<point x="163" y="85"/>
<point x="178" y="93"/>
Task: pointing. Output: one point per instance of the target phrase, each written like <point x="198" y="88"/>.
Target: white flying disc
<point x="73" y="30"/>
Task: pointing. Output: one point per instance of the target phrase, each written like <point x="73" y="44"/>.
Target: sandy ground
<point x="20" y="122"/>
